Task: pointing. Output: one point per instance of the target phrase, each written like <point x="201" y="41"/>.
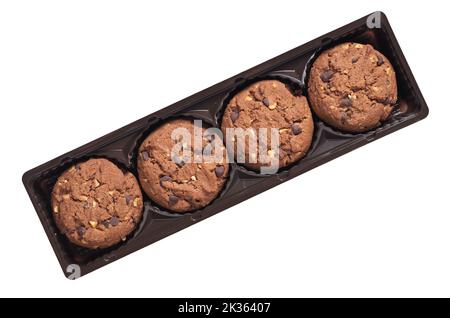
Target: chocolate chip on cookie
<point x="296" y="128"/>
<point x="234" y="115"/>
<point x="325" y="76"/>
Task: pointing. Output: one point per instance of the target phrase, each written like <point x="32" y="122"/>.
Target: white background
<point x="374" y="222"/>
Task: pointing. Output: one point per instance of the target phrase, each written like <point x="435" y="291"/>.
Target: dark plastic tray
<point x="292" y="67"/>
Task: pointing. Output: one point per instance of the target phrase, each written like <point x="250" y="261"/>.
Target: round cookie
<point x="186" y="181"/>
<point x="352" y="87"/>
<point x="95" y="204"/>
<point x="270" y="104"/>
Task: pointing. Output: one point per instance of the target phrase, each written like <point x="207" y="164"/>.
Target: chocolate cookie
<point x="352" y="87"/>
<point x="95" y="204"/>
<point x="187" y="180"/>
<point x="270" y="104"/>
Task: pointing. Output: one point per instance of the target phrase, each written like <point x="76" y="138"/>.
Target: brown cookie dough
<point x="270" y="104"/>
<point x="352" y="87"/>
<point x="95" y="204"/>
<point x="181" y="185"/>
